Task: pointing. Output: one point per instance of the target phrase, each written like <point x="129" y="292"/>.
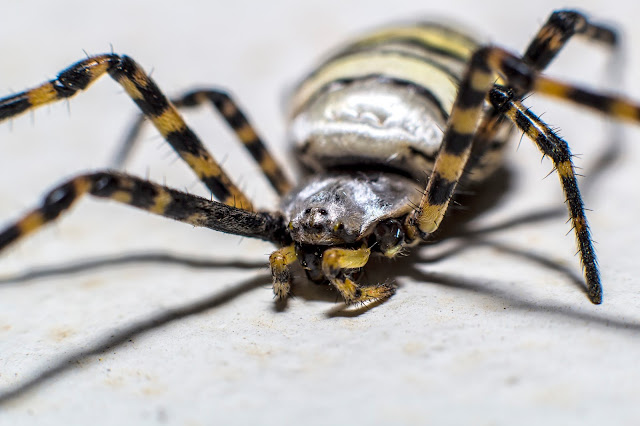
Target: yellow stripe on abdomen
<point x="388" y="64"/>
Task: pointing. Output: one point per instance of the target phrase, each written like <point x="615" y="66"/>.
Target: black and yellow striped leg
<point x="462" y="127"/>
<point x="457" y="141"/>
<point x="608" y="104"/>
<point x="238" y="122"/>
<point x="561" y="26"/>
<point x="149" y="99"/>
<point x="336" y="263"/>
<point x="458" y="137"/>
<point x="151" y="197"/>
<point x="467" y="112"/>
<point x="558" y="150"/>
<point x="280" y="262"/>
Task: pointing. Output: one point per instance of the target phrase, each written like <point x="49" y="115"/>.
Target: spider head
<point x="343" y="208"/>
<point x="324" y="214"/>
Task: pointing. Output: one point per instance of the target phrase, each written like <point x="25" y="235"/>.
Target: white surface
<point x="498" y="332"/>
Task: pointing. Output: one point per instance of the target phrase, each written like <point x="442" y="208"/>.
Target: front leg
<point x="335" y="265"/>
<point x="462" y="127"/>
<point x="280" y="262"/>
<point x="149" y="196"/>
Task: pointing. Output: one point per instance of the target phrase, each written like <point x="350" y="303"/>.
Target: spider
<point x="385" y="128"/>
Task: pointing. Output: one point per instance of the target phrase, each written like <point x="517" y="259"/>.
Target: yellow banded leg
<point x="608" y="104"/>
<point x="556" y="32"/>
<point x="147" y="196"/>
<point x="561" y="26"/>
<point x="235" y="118"/>
<point x="456" y="145"/>
<point x="149" y="99"/>
<point x="280" y="261"/>
<point x="520" y="78"/>
<point x="336" y="260"/>
<point x="77" y="77"/>
<point x="245" y="132"/>
<point x="467" y="112"/>
<point x="557" y="149"/>
<point x="172" y="127"/>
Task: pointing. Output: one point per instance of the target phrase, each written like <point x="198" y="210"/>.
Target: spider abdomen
<point x="370" y="123"/>
<point x="381" y="102"/>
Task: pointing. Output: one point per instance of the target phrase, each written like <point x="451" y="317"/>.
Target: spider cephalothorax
<point x="362" y="212"/>
<point x="342" y="208"/>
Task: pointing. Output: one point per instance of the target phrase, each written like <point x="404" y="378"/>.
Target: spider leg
<point x="151" y="197"/>
<point x="154" y="105"/>
<point x="607" y="104"/>
<point x="458" y="137"/>
<point x="235" y="118"/>
<point x="556" y="32"/>
<point x="334" y="263"/>
<point x="557" y="149"/>
<point x="561" y="26"/>
<point x="280" y="261"/>
<point x="462" y="126"/>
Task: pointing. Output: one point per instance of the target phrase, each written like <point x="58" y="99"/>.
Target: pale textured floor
<point x="492" y="330"/>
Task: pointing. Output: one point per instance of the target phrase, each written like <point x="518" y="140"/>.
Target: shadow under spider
<point x="136" y="328"/>
<point x="125" y="259"/>
<point x="515" y="302"/>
